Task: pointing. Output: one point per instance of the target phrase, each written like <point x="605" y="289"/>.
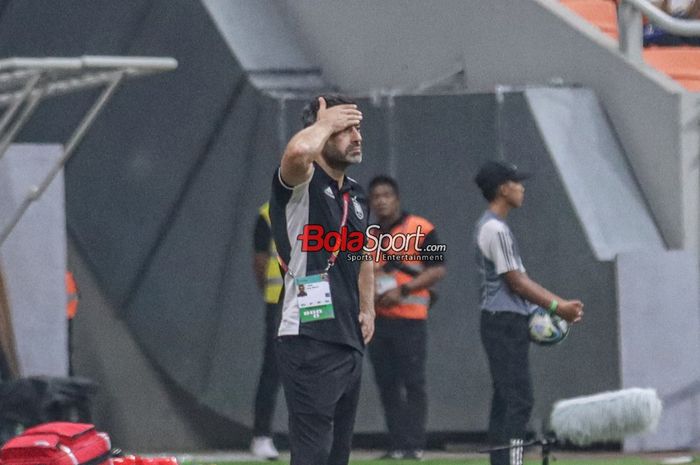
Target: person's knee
<point x="521" y="403"/>
<point x="311" y="438"/>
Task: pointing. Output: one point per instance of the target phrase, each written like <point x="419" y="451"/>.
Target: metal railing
<point x="630" y="25"/>
<point x="25" y="82"/>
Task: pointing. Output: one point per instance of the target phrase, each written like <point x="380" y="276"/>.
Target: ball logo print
<point x="546" y="329"/>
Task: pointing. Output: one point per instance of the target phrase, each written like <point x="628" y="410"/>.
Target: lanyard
<point x="334" y="255"/>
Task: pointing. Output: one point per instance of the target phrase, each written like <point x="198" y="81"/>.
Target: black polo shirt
<point x="319" y="201"/>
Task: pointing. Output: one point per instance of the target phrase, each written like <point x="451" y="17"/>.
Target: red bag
<point x="137" y="460"/>
<point x="58" y="443"/>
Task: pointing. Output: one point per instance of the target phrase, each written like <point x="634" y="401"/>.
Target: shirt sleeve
<point x="431" y="239"/>
<point x="500" y="249"/>
<point x="262" y="235"/>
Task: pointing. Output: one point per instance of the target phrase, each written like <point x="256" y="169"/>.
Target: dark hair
<point x="489" y="192"/>
<point x="384" y="180"/>
<point x="308" y="114"/>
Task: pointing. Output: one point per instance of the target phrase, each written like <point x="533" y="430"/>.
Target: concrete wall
<point x="597" y="177"/>
<point x="690" y="168"/>
<point x="142" y="409"/>
<point x="396" y="44"/>
<point x="34" y="259"/>
<point x="259" y="36"/>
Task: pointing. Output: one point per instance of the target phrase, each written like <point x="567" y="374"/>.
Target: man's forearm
<point x="427" y="278"/>
<point x="260" y="260"/>
<point x="302" y="150"/>
<point x="528" y="289"/>
<point x="521" y="284"/>
<point x="308" y="143"/>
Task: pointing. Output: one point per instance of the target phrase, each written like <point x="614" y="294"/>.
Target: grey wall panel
<point x="260" y="36"/>
<point x="690" y="167"/>
<point x="203" y="264"/>
<point x="237" y="336"/>
<point x="659" y="343"/>
<point x="140" y="407"/>
<point x="40" y="28"/>
<point x="34" y="259"/>
<point x="608" y="200"/>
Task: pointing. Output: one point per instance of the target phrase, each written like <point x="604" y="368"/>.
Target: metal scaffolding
<point x="26" y="82"/>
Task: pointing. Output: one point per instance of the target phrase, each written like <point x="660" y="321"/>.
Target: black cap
<point x="494" y="173"/>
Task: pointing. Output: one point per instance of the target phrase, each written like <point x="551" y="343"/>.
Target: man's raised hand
<point x="338" y="117"/>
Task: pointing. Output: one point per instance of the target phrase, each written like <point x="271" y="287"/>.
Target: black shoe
<point x="414" y="454"/>
<point x="393" y="455"/>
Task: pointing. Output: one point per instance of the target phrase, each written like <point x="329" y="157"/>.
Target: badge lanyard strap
<point x="334" y="255"/>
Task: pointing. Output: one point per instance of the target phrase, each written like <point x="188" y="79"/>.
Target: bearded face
<point x="344" y="148"/>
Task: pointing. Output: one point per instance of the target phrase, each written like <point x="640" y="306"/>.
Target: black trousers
<point x="269" y="381"/>
<point x="504" y="336"/>
<point x="321" y="384"/>
<point x="398" y="353"/>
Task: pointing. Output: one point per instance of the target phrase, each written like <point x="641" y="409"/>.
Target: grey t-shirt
<point x="496" y="254"/>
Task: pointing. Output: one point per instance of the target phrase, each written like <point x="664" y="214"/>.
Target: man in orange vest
<point x="71" y="310"/>
<point x="404" y="274"/>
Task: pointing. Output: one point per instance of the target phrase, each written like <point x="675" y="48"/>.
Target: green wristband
<point x="553" y="307"/>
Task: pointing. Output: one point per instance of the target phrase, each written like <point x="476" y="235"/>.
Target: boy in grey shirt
<point x="507" y="294"/>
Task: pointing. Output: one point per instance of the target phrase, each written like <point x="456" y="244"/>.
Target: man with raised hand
<point x="322" y="335"/>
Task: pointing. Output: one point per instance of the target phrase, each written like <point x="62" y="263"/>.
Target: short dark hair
<point x="384" y="180"/>
<point x="310" y="111"/>
<point x="489" y="192"/>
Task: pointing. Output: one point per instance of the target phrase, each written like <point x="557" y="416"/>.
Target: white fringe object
<point x="605" y="417"/>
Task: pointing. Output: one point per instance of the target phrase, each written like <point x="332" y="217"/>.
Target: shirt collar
<point x="401" y="219"/>
<point x="346" y="187"/>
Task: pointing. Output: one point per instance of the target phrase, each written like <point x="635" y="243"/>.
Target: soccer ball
<point x="546" y="330"/>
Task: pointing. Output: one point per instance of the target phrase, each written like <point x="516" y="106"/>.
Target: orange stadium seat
<point x="602" y="13"/>
<point x="681" y="63"/>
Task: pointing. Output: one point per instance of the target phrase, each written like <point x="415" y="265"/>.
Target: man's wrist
<point x="553" y="305"/>
<point x="325" y="125"/>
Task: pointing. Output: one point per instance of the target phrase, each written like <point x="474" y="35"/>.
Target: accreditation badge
<point x="314" y="298"/>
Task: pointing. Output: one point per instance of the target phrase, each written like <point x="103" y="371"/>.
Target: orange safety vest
<point x="71" y="296"/>
<point x="415" y="305"/>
